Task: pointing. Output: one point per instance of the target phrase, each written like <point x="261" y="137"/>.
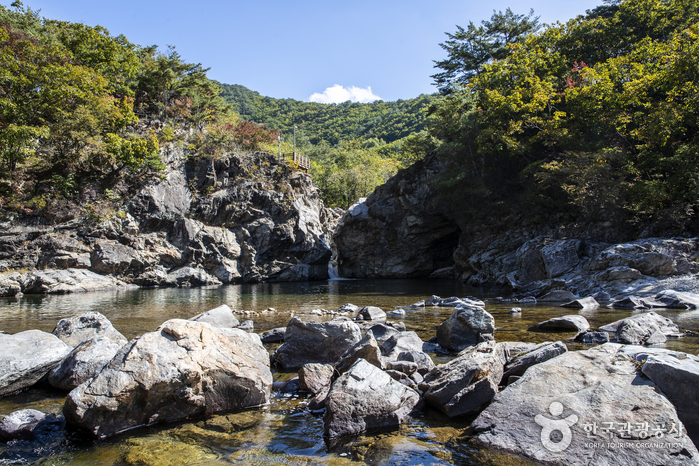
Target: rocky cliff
<point x="405" y="229"/>
<point x="238" y="218"/>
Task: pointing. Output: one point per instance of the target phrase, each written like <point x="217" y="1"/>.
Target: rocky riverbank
<point x="234" y="219"/>
<point x="627" y="398"/>
<point x="405" y="229"/>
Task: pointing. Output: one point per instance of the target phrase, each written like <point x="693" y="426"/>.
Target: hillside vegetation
<point x="591" y="120"/>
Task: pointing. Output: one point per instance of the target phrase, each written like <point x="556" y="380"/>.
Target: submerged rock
<point x="27" y="357"/>
<point x="27" y="424"/>
<point x="184" y="369"/>
<point x="560" y="412"/>
<point x="365" y="398"/>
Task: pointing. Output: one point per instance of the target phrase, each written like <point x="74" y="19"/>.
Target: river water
<point x="283" y="432"/>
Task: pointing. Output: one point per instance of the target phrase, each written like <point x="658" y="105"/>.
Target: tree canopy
<point x="592" y="118"/>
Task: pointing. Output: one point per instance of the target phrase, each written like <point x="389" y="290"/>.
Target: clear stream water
<point x="283" y="432"/>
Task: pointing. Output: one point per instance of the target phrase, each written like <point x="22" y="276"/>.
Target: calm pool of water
<point x="283" y="432"/>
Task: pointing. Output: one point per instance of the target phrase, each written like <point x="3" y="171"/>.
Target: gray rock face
<point x="571" y="323"/>
<point x="465" y="328"/>
<point x="184" y="369"/>
<point x="27" y="424"/>
<point x="27" y="357"/>
<point x="315" y="377"/>
<point x="315" y="342"/>
<point x="84" y="362"/>
<point x="221" y="316"/>
<point x="466" y="383"/>
<point x="365" y="398"/>
<point x="540" y="353"/>
<point x="75" y="330"/>
<point x="207" y="222"/>
<point x="638" y="329"/>
<point x="677" y="376"/>
<point x="398" y="231"/>
<point x="559" y="412"/>
<point x="68" y="281"/>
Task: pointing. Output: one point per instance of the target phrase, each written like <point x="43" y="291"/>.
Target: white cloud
<point x="338" y="94"/>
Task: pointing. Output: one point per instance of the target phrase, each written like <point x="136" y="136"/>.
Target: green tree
<point x="470" y="49"/>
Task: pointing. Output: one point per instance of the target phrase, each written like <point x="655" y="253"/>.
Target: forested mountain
<point x="331" y="123"/>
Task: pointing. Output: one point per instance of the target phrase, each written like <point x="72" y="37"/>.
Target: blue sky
<point x="331" y="50"/>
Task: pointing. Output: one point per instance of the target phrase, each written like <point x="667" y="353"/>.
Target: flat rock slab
<point x="582" y="408"/>
<point x="184" y="369"/>
<point x="27" y="357"/>
<point x="365" y="398"/>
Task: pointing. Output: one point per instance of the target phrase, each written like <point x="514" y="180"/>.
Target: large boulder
<point x="640" y="329"/>
<point x="27" y="357"/>
<point x="467" y="326"/>
<point x="585" y="407"/>
<point x="75" y="330"/>
<point x="570" y="323"/>
<point x="365" y="398"/>
<point x="371" y="313"/>
<point x="221" y="316"/>
<point x="84" y="362"/>
<point x="466" y="383"/>
<point x="677" y="375"/>
<point x="184" y="369"/>
<point x="315" y="342"/>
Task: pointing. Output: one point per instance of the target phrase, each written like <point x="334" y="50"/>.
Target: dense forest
<point x="595" y="118"/>
<point x="331" y="123"/>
